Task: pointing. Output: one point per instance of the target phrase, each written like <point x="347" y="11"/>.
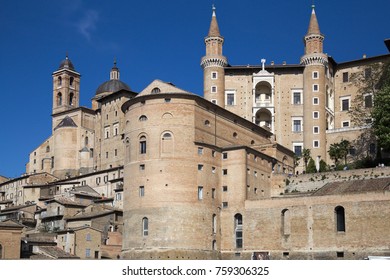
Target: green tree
<point x="311" y="166"/>
<point x="381" y="112"/>
<point x="381" y="116"/>
<point x="344" y="147"/>
<point x="306" y="155"/>
<point x="323" y="166"/>
<point x="367" y="80"/>
<point x="339" y="150"/>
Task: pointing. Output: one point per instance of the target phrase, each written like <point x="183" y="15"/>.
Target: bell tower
<point x="66" y="87"/>
<point x="213" y="64"/>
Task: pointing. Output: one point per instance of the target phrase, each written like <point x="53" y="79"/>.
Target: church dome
<point x="112" y="86"/>
<point x="67" y="64"/>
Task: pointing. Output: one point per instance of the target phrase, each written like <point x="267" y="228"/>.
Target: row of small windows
<point x="59" y="81"/>
<point x="60" y="101"/>
<point x="107" y="131"/>
<point x="167" y="136"/>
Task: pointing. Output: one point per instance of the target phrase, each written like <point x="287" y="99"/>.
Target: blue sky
<point x="154" y="39"/>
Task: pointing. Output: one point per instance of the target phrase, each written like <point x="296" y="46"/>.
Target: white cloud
<point x="87" y="24"/>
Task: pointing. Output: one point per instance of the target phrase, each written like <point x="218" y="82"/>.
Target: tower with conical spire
<point x="314" y="88"/>
<point x="213" y="64"/>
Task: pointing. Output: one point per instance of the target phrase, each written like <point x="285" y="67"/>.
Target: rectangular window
<point x="200" y="151"/>
<point x="224" y="172"/>
<point x="200" y="193"/>
<point x="214" y="75"/>
<point x="230" y="98"/>
<point x="116" y="152"/>
<point x="345" y="77"/>
<point x="107" y="132"/>
<point x="368" y="101"/>
<point x="345" y="104"/>
<point x="345" y="124"/>
<point x="315" y="75"/>
<point x="142" y="167"/>
<point x="224" y="155"/>
<point x="213" y="89"/>
<point x="315" y="88"/>
<point x="213" y="192"/>
<point x="115" y="129"/>
<point x="214" y="101"/>
<point x="224" y="188"/>
<point x="298" y="149"/>
<point x="316" y="101"/>
<point x="212" y="169"/>
<point x="316" y="129"/>
<point x="87" y="253"/>
<point x="142" y="147"/>
<point x="316" y="115"/>
<point x="200" y="167"/>
<point x="297" y="125"/>
<point x="297" y="98"/>
<point x="316" y="144"/>
<point x="225" y="204"/>
<point x="141" y="191"/>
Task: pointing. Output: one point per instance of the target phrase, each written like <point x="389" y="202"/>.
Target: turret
<point x="213" y="64"/>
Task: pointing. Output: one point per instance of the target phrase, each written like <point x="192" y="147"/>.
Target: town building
<point x="305" y="105"/>
<point x="168" y="174"/>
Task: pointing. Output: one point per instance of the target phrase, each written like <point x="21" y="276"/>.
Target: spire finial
<point x="214" y="9"/>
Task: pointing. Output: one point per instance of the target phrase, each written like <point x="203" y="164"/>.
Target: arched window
<point x="207" y="123"/>
<point x="142" y="145"/>
<point x="214" y="245"/>
<point x="167" y="143"/>
<point x="143" y="118"/>
<point x="238" y="230"/>
<point x="71" y="95"/>
<point x="59" y="99"/>
<point x="71" y="81"/>
<point x="59" y="81"/>
<point x="47" y="149"/>
<point x="86" y="140"/>
<point x="156" y="90"/>
<point x="145" y="226"/>
<point x="340" y="218"/>
<point x="286" y="224"/>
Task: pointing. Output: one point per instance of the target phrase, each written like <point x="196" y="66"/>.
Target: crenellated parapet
<point x="220" y="61"/>
<point x="314" y="59"/>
